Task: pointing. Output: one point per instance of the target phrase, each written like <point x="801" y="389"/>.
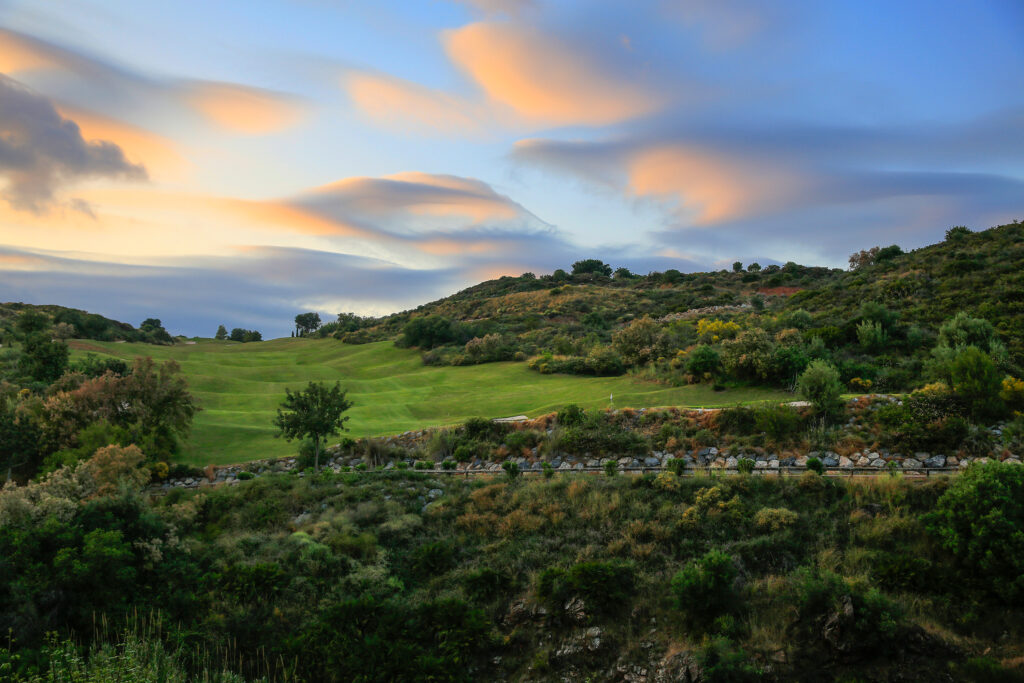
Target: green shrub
<point x="745" y="465"/>
<point x="423" y="465"/>
<point x="721" y="661"/>
<point x="511" y="469"/>
<point x="604" y="586"/>
<point x="867" y="620"/>
<point x="401" y="465"/>
<point x="980" y="520"/>
<point x="704" y="589"/>
<point x="611" y="468"/>
<point x="820" y="385"/>
<point x="449" y="465"/>
<point x="676" y="465"/>
<point x="547" y="469"/>
<point x="774" y="519"/>
<point x="465" y="453"/>
<point x="244" y="475"/>
<point x="815" y="465"/>
<point x="779" y="423"/>
<point x="571" y="415"/>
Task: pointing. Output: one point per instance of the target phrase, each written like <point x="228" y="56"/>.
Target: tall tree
<point x="314" y="412"/>
<point x="222" y="333"/>
<point x="307" y="323"/>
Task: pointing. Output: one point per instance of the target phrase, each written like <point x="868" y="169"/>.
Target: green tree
<point x="820" y="385"/>
<point x="975" y="378"/>
<point x="704" y="589"/>
<point x="222" y="333"/>
<point x="44" y="360"/>
<point x="737" y="266"/>
<point x="307" y="323"/>
<point x="31" y="322"/>
<point x="314" y="412"/>
<point x="591" y="265"/>
<point x="980" y="520"/>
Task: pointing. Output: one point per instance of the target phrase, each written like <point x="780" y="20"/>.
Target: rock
<point x="624" y="462"/>
<point x="565" y="466"/>
<point x="556" y="463"/>
<point x="576" y="610"/>
<point x="935" y="461"/>
<point x="760" y="465"/>
<point x="773" y="464"/>
<point x="952" y="461"/>
<point x="965" y="463"/>
<point x="594" y="639"/>
<point x="731" y="462"/>
<point x="863" y="461"/>
<point x="434" y="493"/>
<point x="845" y="462"/>
<point x="652" y="462"/>
<point x="801" y="461"/>
<point x="878" y="463"/>
<point x="593" y="463"/>
<point x="911" y="464"/>
<point x="712" y="451"/>
<point x="829" y="461"/>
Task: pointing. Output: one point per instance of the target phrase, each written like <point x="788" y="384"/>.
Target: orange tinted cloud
<point x="244" y="110"/>
<point x="710" y="186"/>
<point x="399" y="103"/>
<point x="19" y="53"/>
<point x="543" y="80"/>
<point x="158" y="154"/>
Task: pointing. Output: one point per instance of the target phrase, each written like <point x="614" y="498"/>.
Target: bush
<point x="865" y="620"/>
<point x="820" y="385"/>
<point x="980" y="520"/>
<point x="815" y="465"/>
<point x="676" y="466"/>
<point x="779" y="423"/>
<point x="570" y="415"/>
<point x="511" y="469"/>
<point x="611" y="468"/>
<point x="547" y="469"/>
<point x="745" y="466"/>
<point x="244" y="476"/>
<point x="704" y="589"/>
<point x="604" y="586"/>
<point x="774" y="519"/>
<point x="449" y="465"/>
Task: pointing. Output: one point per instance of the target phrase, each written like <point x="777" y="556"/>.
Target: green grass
<point x="241" y="385"/>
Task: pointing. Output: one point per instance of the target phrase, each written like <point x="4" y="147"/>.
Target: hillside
<point x="67" y="323"/>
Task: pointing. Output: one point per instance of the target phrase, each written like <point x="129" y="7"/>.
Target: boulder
<point x="829" y="461"/>
<point x="878" y="463"/>
<point x="863" y="461"/>
<point x="845" y="462"/>
<point x="910" y="464"/>
<point x="652" y="462"/>
<point x="731" y="462"/>
<point x="935" y="461"/>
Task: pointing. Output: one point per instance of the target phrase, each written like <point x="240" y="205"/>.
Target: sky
<point x="239" y="162"/>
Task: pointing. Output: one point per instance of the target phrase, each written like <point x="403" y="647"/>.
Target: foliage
<point x="605" y="587"/>
<point x="704" y="590"/>
<point x="307" y="323"/>
<point x="980" y="520"/>
<point x="314" y="412"/>
<point x="820" y="385"/>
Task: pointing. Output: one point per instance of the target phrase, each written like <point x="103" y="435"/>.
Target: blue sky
<point x="238" y="162"/>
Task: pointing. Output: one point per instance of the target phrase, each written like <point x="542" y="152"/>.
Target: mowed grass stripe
<point x="241" y="385"/>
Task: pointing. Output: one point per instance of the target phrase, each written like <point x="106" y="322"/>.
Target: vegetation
<point x="353" y="577"/>
<point x="314" y="412"/>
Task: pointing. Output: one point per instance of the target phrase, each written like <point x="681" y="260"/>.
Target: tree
<point x="154" y="329"/>
<point x="44" y="360"/>
<point x="238" y="335"/>
<point x="980" y="520"/>
<point x="222" y="333"/>
<point x="737" y="266"/>
<point x="591" y="265"/>
<point x="31" y="322"/>
<point x="754" y="268"/>
<point x="623" y="273"/>
<point x="820" y="385"/>
<point x="957" y="233"/>
<point x="314" y="412"/>
<point x="63" y="331"/>
<point x="975" y="378"/>
<point x="307" y="323"/>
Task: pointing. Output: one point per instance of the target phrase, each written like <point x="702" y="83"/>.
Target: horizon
<point x="240" y="164"/>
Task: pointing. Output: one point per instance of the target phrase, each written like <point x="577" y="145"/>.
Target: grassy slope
<point x="241" y="385"/>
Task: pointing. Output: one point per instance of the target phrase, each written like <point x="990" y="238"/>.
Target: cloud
<point x="91" y="83"/>
<point x="413" y="203"/>
<point x="243" y="110"/>
<point x="41" y="151"/>
<point x="400" y="104"/>
<point x="543" y="79"/>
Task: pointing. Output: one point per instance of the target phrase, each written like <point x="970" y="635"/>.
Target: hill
<point x="66" y="323"/>
<point x="240" y="386"/>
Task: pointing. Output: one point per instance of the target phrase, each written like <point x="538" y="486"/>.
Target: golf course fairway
<point x="240" y="386"/>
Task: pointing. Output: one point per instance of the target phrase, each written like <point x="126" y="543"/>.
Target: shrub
<point x="547" y="469"/>
<point x="676" y="466"/>
<point x="820" y="385"/>
<point x="703" y="360"/>
<point x="774" y="519"/>
<point x="511" y="469"/>
<point x="611" y="468"/>
<point x="570" y="415"/>
<point x="779" y="423"/>
<point x="449" y="465"/>
<point x="815" y="465"/>
<point x="980" y="520"/>
<point x="423" y="465"/>
<point x="465" y="453"/>
<point x="704" y="589"/>
<point x="866" y="621"/>
<point x="244" y="476"/>
<point x="745" y="465"/>
<point x="604" y="586"/>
